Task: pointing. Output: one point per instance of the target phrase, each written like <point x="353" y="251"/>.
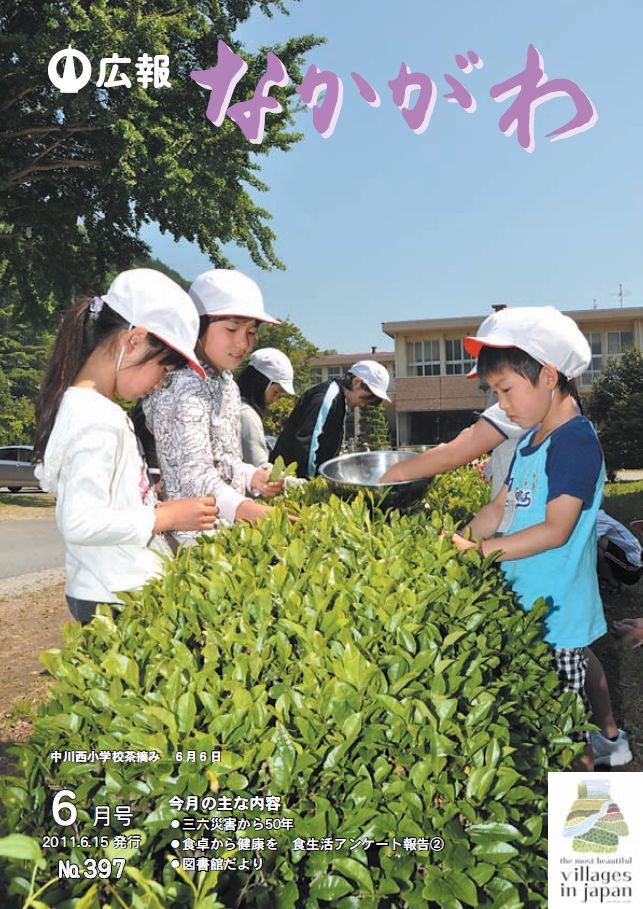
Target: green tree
<point x="288" y="338"/>
<point x="147" y="262"/>
<point x="24" y="351"/>
<point x="616" y="407"/>
<point x="17" y="419"/>
<point x="373" y="430"/>
<point x="82" y="172"/>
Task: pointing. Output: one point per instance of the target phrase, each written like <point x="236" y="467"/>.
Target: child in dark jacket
<point x="314" y="431"/>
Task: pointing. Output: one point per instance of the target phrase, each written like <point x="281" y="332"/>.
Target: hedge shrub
<point x="354" y="665"/>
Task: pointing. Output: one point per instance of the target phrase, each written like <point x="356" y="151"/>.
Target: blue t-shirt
<point x="568" y="462"/>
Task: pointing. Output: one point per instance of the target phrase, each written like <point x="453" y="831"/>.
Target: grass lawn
<point x="25" y="504"/>
<point x="624" y="501"/>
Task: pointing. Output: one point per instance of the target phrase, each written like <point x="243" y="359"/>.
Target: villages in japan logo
<point x="595" y="821"/>
<point x="597" y="828"/>
<point x="414" y="93"/>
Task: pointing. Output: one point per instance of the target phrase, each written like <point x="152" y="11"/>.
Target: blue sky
<point x="376" y="223"/>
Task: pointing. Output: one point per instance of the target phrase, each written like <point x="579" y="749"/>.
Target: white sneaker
<point x="608" y="753"/>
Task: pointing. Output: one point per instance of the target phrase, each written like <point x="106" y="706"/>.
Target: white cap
<point x="227" y="292"/>
<point x="541" y="331"/>
<point x="374" y="375"/>
<point x="149" y="299"/>
<point x="274" y="365"/>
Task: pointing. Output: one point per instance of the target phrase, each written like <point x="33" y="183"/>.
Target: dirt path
<point x="31" y="622"/>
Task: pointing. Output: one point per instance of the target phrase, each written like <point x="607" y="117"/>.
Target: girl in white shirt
<point x="120" y="344"/>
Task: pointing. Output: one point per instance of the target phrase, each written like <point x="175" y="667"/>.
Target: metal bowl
<point x="350" y="473"/>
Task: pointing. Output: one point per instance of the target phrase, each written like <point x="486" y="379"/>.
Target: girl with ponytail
<point x="120" y="344"/>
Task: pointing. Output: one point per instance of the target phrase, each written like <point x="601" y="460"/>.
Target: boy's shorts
<point x="571" y="665"/>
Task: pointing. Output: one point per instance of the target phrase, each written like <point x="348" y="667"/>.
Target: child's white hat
<point x="274" y="365"/>
<point x="228" y="292"/>
<point x="541" y="331"/>
<point x="149" y="299"/>
<point x="374" y="375"/>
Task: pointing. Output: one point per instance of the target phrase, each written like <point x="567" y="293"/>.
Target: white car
<point x="16" y="469"/>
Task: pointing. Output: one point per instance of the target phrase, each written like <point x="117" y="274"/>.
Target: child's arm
<point x="560" y="519"/>
<point x="198" y="514"/>
<point x="488" y="519"/>
<point x="630" y="628"/>
<point x="469" y="445"/>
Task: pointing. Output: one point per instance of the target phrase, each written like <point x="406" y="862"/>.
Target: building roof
<point x="618" y="314"/>
<point x="381" y="356"/>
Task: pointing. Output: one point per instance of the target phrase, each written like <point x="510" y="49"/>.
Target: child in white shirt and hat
<point x="268" y="376"/>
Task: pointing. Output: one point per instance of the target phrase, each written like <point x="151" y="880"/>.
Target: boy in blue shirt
<point x="543" y="520"/>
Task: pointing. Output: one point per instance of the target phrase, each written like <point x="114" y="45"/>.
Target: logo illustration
<point x="595" y="821"/>
<point x="69" y="83"/>
<point x="523" y="498"/>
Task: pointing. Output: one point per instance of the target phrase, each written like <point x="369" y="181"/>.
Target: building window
<point x="596" y="345"/>
<point x="458" y="360"/>
<point x="433" y="427"/>
<point x="617" y="342"/>
<point x="335" y="372"/>
<point x="316" y="374"/>
<point x="423" y="358"/>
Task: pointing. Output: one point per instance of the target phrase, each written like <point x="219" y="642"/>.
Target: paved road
<point x="27" y="546"/>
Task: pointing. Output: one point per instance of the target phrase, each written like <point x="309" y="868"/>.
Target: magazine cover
<point x="321" y="487"/>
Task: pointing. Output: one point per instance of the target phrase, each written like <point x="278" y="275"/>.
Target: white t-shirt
<point x="253" y="441"/>
<point x="607" y="526"/>
<point x="104" y="504"/>
<point x="500" y="460"/>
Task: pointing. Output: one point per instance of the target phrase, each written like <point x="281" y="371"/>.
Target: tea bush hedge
<point x="354" y="666"/>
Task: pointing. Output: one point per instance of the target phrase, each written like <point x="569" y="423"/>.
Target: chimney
<point x="498" y="306"/>
<point x="373" y="349"/>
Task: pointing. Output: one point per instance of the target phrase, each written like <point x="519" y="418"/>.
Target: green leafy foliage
<point x="280" y="470"/>
<point x="459" y="493"/>
<point x="354" y="665"/>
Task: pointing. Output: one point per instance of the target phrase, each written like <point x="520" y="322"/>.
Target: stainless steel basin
<point x="350" y="473"/>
